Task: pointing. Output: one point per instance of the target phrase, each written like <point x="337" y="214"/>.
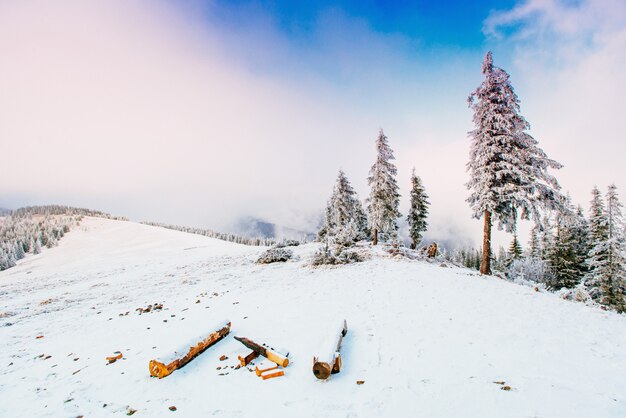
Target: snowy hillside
<point x="426" y="340"/>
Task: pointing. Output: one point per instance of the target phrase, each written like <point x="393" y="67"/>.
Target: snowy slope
<point x="427" y="340"/>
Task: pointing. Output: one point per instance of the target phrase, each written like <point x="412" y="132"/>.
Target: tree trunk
<point x="187" y="353"/>
<point x="485" y="265"/>
<point x="375" y="236"/>
<point x="329" y="362"/>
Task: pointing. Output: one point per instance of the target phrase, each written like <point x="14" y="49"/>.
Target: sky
<point x="200" y="113"/>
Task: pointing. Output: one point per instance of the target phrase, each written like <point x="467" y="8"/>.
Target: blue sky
<point x="427" y="23"/>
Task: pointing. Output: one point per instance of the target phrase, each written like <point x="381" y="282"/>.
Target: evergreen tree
<point x="345" y="220"/>
<point x="418" y="212"/>
<point x="534" y="243"/>
<point x="515" y="251"/>
<point x="546" y="237"/>
<point x="606" y="279"/>
<point x="580" y="232"/>
<point x="19" y="251"/>
<point x="508" y="171"/>
<point x="562" y="258"/>
<point x="499" y="260"/>
<point x="36" y="247"/>
<point x="384" y="198"/>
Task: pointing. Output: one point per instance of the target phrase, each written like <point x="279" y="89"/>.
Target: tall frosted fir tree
<point x="508" y="171"/>
<point x="384" y="198"/>
<point x="418" y="212"/>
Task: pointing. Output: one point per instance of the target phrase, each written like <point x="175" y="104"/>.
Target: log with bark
<point x="264" y="351"/>
<point x="329" y="360"/>
<point x="187" y="353"/>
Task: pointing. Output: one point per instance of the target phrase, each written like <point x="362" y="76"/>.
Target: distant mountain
<point x="254" y="227"/>
<point x="4" y="211"/>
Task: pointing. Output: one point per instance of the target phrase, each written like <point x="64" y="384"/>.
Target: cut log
<point x="264" y="351"/>
<point x="187" y="353"/>
<point x="244" y="361"/>
<point x="264" y="366"/>
<point x="329" y="360"/>
<point x="272" y="373"/>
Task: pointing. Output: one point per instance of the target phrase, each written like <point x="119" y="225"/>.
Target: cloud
<point x="159" y="112"/>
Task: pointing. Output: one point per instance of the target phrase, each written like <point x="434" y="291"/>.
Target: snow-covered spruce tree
<point x="580" y="231"/>
<point x="327" y="225"/>
<point x="384" y="199"/>
<point x="606" y="279"/>
<point x="418" y="212"/>
<point x="562" y="258"/>
<point x="534" y="243"/>
<point x="598" y="234"/>
<point x="508" y="171"/>
<point x="515" y="251"/>
<point x="546" y="237"/>
<point x="345" y="221"/>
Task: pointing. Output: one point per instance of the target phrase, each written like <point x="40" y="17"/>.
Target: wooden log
<point x="187" y="353"/>
<point x="244" y="361"/>
<point x="329" y="362"/>
<point x="264" y="351"/>
<point x="269" y="374"/>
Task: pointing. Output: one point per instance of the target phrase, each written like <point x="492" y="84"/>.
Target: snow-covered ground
<point x="427" y="340"/>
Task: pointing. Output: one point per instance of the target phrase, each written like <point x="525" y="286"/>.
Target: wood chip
<point x="505" y="388"/>
<point x="172" y="408"/>
<point x="115" y="358"/>
<point x="223" y="357"/>
<point x="360" y="382"/>
<point x="39" y="337"/>
<point x="264" y="366"/>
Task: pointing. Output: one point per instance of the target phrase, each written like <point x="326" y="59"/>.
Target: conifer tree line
<point x="27" y="230"/>
<point x="238" y="239"/>
<point x="347" y="221"/>
<point x="509" y="180"/>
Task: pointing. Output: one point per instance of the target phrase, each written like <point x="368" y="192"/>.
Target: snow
<point x="426" y="340"/>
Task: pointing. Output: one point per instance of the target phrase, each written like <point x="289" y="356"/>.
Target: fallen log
<point x="330" y="361"/>
<point x="264" y="351"/>
<point x="187" y="353"/>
